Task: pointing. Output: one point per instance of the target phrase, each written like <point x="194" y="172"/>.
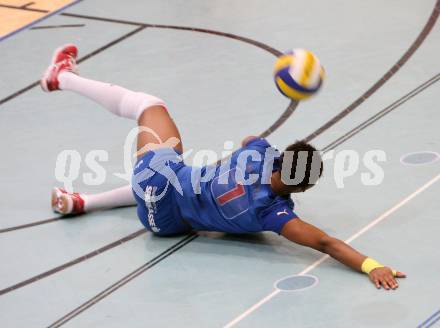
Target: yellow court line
<point x="15" y="19"/>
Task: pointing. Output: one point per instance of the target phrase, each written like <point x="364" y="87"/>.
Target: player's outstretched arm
<point x="306" y="234"/>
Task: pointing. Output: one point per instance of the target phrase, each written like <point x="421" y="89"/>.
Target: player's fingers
<point x="376" y="282"/>
<point x="385" y="284"/>
<point x="400" y="274"/>
<point x="392" y="282"/>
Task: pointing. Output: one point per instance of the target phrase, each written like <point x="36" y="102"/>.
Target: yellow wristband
<point x="370" y="264"/>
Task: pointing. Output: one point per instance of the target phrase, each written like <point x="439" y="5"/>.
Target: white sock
<point x="116" y="99"/>
<point x="113" y="198"/>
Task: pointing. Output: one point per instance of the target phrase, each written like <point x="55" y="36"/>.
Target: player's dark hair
<point x="305" y="160"/>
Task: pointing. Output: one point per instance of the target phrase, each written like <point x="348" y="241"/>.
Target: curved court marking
<point x="420" y="158"/>
<point x="296" y="283"/>
<point x="258" y="44"/>
<point x="337" y="118"/>
<point x="124" y="22"/>
<point x="373" y="223"/>
<point x="284" y="116"/>
<point x="389" y="74"/>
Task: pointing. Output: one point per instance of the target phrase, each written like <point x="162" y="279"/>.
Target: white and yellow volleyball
<point x="298" y="74"/>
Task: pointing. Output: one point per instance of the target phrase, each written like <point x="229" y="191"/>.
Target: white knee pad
<point x="133" y="104"/>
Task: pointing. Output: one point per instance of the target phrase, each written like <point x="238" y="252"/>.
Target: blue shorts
<point x="153" y="181"/>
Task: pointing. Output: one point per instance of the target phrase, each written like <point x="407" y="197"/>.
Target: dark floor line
<point x="72" y="263"/>
<point x="390" y="73"/>
<point x="24" y="8"/>
<point x="35" y="21"/>
<point x="126" y="279"/>
<point x="19" y="92"/>
<point x="88" y="56"/>
<point x="181" y="28"/>
<point x="382" y="113"/>
<point x="284" y="116"/>
<point x="103" y="19"/>
<point x="28" y="225"/>
<point x="110" y="44"/>
<point x="27" y="5"/>
<point x="45" y="27"/>
<point x="258" y="44"/>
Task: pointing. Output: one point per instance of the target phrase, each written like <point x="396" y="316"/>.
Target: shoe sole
<point x="43" y="81"/>
<point x="59" y="201"/>
<point x="55" y="195"/>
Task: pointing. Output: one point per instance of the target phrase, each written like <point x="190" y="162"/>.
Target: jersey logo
<point x="283" y="212"/>
<point x="231" y="197"/>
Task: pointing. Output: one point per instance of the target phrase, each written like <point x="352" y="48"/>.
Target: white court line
<point x="325" y="257"/>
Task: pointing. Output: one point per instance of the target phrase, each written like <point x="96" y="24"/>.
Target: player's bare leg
<point x="157" y="119"/>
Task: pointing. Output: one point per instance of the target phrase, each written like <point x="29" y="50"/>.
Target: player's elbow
<point x="327" y="244"/>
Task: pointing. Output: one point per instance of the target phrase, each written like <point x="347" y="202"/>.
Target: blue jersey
<point x="235" y="197"/>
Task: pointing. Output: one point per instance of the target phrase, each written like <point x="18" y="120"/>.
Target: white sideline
<point x="323" y="258"/>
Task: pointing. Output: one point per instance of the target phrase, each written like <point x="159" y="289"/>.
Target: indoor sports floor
<point x="103" y="269"/>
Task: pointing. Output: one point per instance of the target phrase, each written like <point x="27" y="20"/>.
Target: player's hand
<point x="384" y="277"/>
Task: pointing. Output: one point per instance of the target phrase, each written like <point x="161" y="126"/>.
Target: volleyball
<point x="298" y="74"/>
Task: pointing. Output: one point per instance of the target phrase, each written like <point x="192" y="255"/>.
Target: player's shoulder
<point x="279" y="202"/>
<point x="253" y="141"/>
<point x="280" y="211"/>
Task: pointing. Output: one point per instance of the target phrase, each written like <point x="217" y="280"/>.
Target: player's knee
<point x="135" y="103"/>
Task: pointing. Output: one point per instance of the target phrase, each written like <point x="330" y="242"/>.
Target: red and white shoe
<point x="66" y="203"/>
<point x="64" y="59"/>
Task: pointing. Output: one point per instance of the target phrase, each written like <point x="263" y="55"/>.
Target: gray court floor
<point x="220" y="88"/>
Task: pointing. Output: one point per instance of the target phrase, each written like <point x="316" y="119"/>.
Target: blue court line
<point x="430" y="321"/>
<point x="39" y="20"/>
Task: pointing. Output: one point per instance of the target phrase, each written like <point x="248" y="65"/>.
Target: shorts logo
<point x="150" y="203"/>
<point x="283" y="212"/>
<point x="139" y="164"/>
